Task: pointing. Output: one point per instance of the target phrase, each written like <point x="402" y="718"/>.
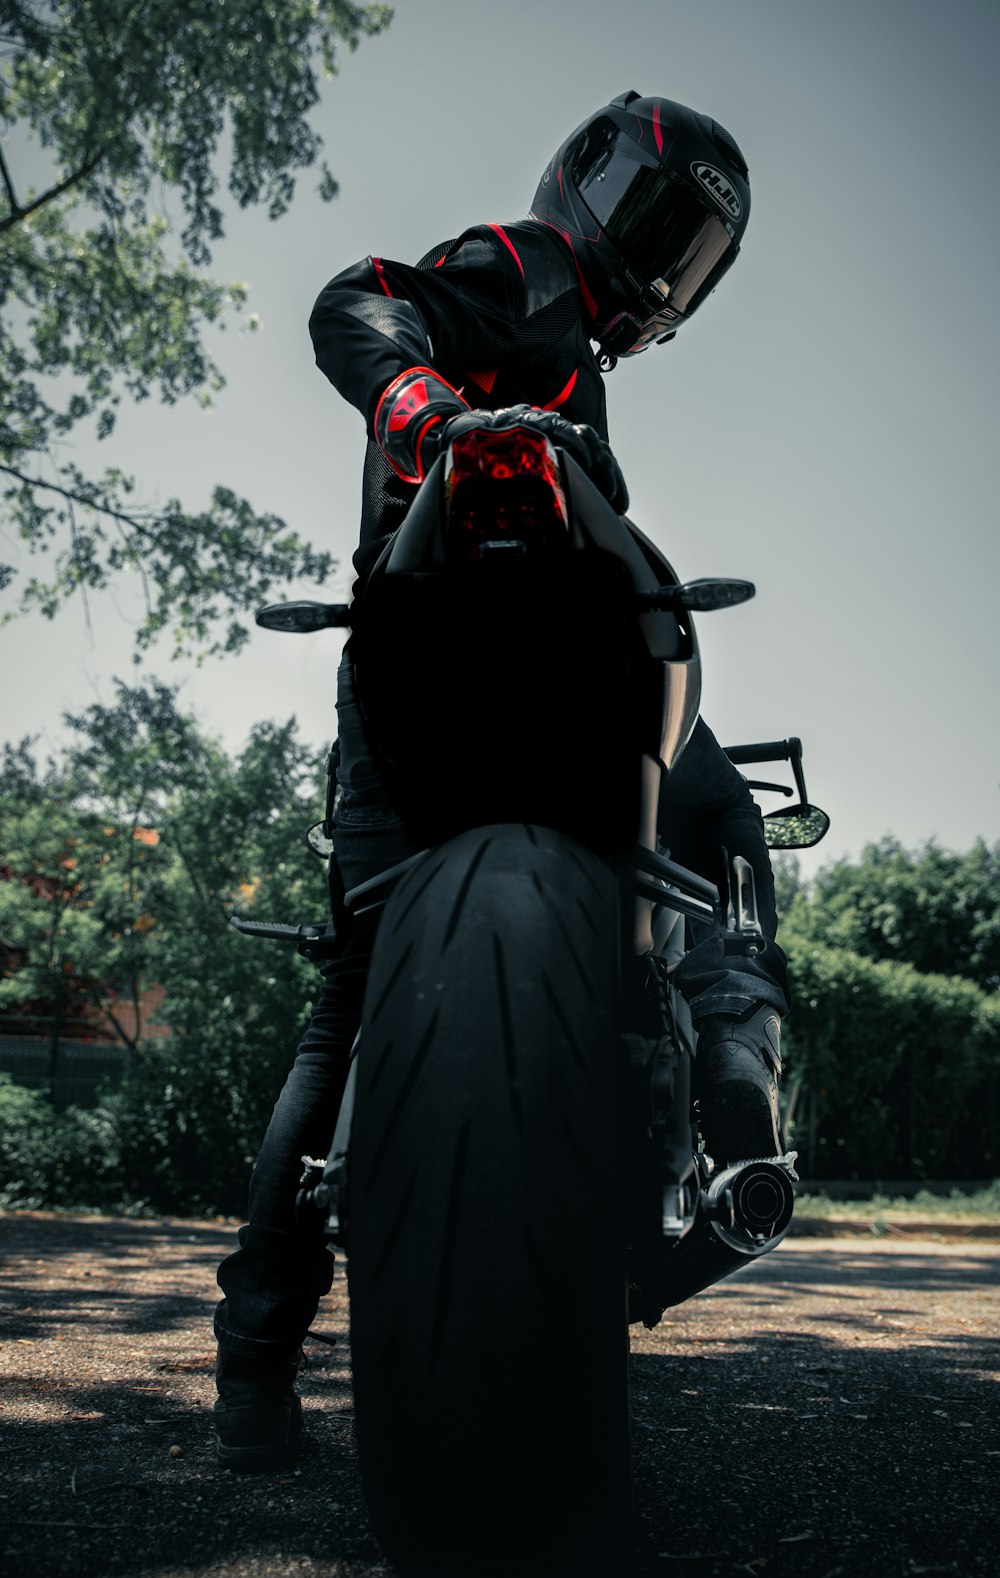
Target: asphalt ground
<point x="830" y="1413"/>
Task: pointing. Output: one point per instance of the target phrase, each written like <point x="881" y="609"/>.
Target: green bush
<point x="189" y="1118"/>
<point x="899" y="1067"/>
<point x="50" y="1158"/>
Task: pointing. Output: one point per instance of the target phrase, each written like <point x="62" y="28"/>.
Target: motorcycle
<point x="517" y="1152"/>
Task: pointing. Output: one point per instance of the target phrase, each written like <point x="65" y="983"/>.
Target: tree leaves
<point x="132" y="105"/>
<point x="894" y="961"/>
<point x="122" y="864"/>
<point x="934" y="908"/>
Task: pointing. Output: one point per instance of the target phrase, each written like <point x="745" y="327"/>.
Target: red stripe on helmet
<point x="564" y="394"/>
<point x="562" y="194"/>
<point x="657" y="128"/>
<point x="377" y="265"/>
<point x="509" y="245"/>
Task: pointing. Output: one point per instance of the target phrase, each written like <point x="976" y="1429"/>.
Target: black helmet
<point x="653" y="198"/>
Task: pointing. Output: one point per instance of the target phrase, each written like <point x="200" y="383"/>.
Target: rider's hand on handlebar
<point x="586" y="446"/>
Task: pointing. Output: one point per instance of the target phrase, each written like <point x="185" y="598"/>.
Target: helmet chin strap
<point x="621" y="336"/>
<point x="617" y="337"/>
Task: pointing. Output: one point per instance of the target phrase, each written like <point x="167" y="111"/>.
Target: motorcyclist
<point x="636" y="219"/>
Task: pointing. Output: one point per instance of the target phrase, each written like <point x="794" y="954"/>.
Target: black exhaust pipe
<point x="744" y="1211"/>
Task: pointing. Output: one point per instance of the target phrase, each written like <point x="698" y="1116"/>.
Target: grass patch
<point x="983" y="1206"/>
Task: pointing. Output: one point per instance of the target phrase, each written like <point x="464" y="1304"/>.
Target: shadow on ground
<point x="833" y="1414"/>
<point x="795" y="1454"/>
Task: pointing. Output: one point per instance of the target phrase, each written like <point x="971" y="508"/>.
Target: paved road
<point x="832" y="1413"/>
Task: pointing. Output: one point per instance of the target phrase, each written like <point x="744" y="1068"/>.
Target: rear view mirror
<point x="798" y="826"/>
<point x="319" y="841"/>
<point x="795" y="826"/>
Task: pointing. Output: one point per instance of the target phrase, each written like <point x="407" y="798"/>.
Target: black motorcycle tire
<point x="487" y="1281"/>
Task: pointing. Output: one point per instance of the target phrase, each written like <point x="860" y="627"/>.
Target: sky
<point x="826" y="426"/>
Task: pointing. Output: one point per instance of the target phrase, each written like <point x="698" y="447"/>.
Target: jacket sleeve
<point x="380" y="319"/>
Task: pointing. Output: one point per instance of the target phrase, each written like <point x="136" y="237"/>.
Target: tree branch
<point x="78" y="498"/>
<point x="18" y="213"/>
<point x="9" y="185"/>
<point x="143" y="577"/>
<point x="83" y="588"/>
<point x="193" y="875"/>
<point x="94" y="993"/>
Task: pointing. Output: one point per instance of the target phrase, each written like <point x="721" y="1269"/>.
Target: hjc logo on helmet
<point x="718" y="187"/>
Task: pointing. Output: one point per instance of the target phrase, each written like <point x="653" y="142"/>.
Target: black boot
<point x="258" y="1415"/>
<point x="737" y="1071"/>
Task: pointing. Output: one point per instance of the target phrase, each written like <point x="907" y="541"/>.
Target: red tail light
<point x="504" y="488"/>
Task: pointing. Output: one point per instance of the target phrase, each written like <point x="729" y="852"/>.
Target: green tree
<point x="788" y="881"/>
<point x="82" y="879"/>
<point x="135" y="106"/>
<point x="934" y="908"/>
<point x="185" y="1126"/>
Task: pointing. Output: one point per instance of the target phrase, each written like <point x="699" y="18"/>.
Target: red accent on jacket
<point x="508" y="243"/>
<point x="377" y="265"/>
<point x="564" y="394"/>
<point x="486" y="380"/>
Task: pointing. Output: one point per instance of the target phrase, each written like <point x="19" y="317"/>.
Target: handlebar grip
<point x="768" y="751"/>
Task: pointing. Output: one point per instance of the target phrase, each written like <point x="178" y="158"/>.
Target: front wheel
<point x="487" y="1280"/>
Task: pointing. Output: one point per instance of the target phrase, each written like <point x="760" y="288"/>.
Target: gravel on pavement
<point x="830" y="1413"/>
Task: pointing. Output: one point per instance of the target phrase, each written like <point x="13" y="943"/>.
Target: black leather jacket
<point x="498" y="313"/>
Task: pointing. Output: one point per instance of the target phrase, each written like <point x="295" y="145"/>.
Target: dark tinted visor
<point x="664" y="233"/>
